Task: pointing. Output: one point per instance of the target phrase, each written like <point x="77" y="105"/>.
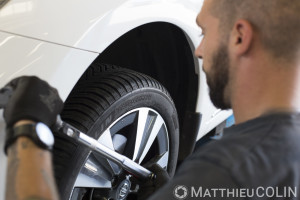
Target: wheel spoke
<point x="163" y="160"/>
<point x="150" y="136"/>
<point x="119" y="142"/>
<point x="93" y="175"/>
<point x="141" y="125"/>
<point x="107" y="141"/>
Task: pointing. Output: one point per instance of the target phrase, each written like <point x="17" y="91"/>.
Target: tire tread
<point x="98" y="88"/>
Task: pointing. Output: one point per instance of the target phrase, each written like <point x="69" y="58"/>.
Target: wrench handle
<point x="128" y="165"/>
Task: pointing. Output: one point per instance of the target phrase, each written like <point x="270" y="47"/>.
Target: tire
<point x="100" y="99"/>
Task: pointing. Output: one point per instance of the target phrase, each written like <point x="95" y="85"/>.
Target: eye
<point x="202" y="34"/>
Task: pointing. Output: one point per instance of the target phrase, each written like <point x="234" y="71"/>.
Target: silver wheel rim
<point x="151" y="137"/>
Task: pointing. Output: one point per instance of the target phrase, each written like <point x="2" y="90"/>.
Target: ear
<point x="242" y="36"/>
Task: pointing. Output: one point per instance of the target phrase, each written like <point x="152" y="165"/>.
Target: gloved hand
<point x="32" y="99"/>
<point x="150" y="186"/>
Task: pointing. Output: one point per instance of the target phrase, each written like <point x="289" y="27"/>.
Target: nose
<point x="198" y="52"/>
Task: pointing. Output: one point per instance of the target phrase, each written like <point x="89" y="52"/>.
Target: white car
<point x="125" y="69"/>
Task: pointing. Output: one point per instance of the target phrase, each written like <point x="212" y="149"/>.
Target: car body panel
<point x="58" y="40"/>
<point x="61" y="66"/>
<point x="85" y="24"/>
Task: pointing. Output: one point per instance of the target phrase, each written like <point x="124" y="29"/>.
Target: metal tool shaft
<point x="129" y="165"/>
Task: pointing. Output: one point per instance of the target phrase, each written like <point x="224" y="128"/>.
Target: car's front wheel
<point x="128" y="112"/>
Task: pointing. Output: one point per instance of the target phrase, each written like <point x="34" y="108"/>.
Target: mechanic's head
<point x="234" y="29"/>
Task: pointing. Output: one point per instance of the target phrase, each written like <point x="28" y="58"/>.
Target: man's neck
<point x="262" y="89"/>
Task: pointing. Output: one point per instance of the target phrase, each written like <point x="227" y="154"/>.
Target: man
<point x="29" y="172"/>
<point x="251" y="55"/>
<point x="250" y="52"/>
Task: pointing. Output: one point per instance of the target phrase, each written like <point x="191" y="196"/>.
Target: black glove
<point x="32" y="99"/>
<point x="150" y="186"/>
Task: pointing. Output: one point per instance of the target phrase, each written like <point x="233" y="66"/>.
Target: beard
<point x="218" y="77"/>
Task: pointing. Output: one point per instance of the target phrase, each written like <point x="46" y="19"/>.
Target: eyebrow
<point x="201" y="26"/>
<point x="199" y="23"/>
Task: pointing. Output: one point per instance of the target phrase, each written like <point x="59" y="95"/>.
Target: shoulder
<point x="240" y="142"/>
<point x="225" y="154"/>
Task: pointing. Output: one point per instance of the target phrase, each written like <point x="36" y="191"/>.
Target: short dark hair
<point x="276" y="21"/>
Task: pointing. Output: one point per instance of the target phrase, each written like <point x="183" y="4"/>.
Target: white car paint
<point x="58" y="40"/>
<point x="81" y="24"/>
<point x="24" y="56"/>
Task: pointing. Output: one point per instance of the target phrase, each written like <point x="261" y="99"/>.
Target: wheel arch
<point x="163" y="51"/>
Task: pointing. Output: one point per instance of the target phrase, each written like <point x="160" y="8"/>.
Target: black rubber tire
<point x="101" y="96"/>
